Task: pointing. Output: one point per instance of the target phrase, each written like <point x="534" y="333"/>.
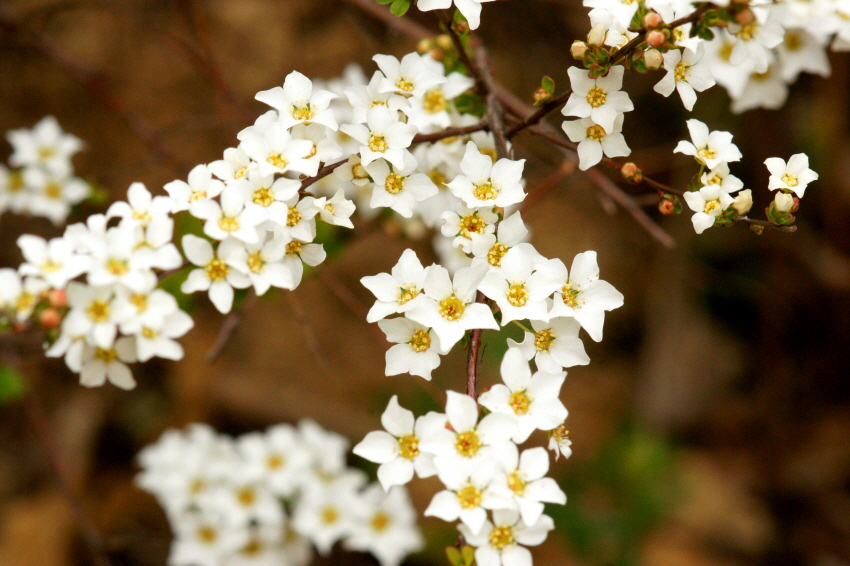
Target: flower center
<point x="255" y="262"/>
<point x="275" y="461"/>
<point x="207" y="534"/>
<point x="485" y="191"/>
<point x="246" y="496"/>
<point x="377" y="144"/>
<point x="471" y="224"/>
<point x="148" y="333"/>
<point x="496" y="253"/>
<point x="359" y="172"/>
<point x="404" y="83"/>
<point x="543" y="340"/>
<point x="330" y="208"/>
<point x="681" y="72"/>
<point x="501" y="536"/>
<point x="253" y="548"/>
<point x="520" y="402"/>
<point x="140" y="301"/>
<point x="304" y="113"/>
<point x="277" y="160"/>
<point x="438" y="178"/>
<point x="50" y="266"/>
<point x="105" y="355"/>
<point x="716" y="180"/>
<point x="596" y="97"/>
<point x="312" y="152"/>
<point x="569" y="295"/>
<point x="16" y="181"/>
<point x="229" y="224"/>
<point x="469" y="497"/>
<point x="467" y="444"/>
<point x="789" y="179"/>
<point x="406" y="294"/>
<point x="451" y="308"/>
<point x="420" y="341"/>
<point x="394" y="183"/>
<point x="293" y="217"/>
<point x="263" y="196"/>
<point x="596" y="132"/>
<point x="380" y="521"/>
<point x="45" y="153"/>
<point x="434" y="101"/>
<point x="706" y="153"/>
<point x="216" y="269"/>
<point x="793" y="41"/>
<point x="53" y="191"/>
<point x="25" y="302"/>
<point x="517" y="295"/>
<point x="117" y="267"/>
<point x="197" y="195"/>
<point x="711" y="205"/>
<point x="240" y="173"/>
<point x="293" y="248"/>
<point x="98" y="311"/>
<point x="408" y="446"/>
<point x="748" y="32"/>
<point x="329" y="515"/>
<point x="516" y="483"/>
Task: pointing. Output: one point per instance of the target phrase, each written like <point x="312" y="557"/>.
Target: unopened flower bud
<point x="49" y="318"/>
<point x="578" y="50"/>
<point x="745" y="16"/>
<point x="759" y="230"/>
<point x="652" y="20"/>
<point x="653" y="59"/>
<point x="596" y="37"/>
<point x="58" y="298"/>
<point x="444" y="42"/>
<point x="541" y="96"/>
<point x="743" y="202"/>
<point x="783" y="202"/>
<point x="666" y="206"/>
<point x="656" y="38"/>
<point x="437" y="54"/>
<point x="631" y="173"/>
<point x="424" y="46"/>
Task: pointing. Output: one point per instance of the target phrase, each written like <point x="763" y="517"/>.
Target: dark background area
<point x="711" y="427"/>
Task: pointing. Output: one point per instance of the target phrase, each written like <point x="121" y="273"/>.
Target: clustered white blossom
<point x="41" y="180"/>
<point x="270" y="498"/>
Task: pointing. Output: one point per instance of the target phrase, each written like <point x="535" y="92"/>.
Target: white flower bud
<point x="784" y="202"/>
<point x="596" y="37"/>
<point x="578" y="50"/>
<point x="653" y="59"/>
<point x="743" y="202"/>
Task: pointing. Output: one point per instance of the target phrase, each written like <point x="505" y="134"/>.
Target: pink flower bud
<point x="652" y="20"/>
<point x="631" y="173"/>
<point x="49" y="318"/>
<point x="57" y="298"/>
<point x="745" y="16"/>
<point x="655" y="38"/>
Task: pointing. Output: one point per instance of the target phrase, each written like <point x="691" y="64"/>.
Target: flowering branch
<point x="639" y="38"/>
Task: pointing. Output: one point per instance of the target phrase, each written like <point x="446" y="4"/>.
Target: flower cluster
<point x="269" y="498"/>
<point x="711" y="195"/>
<point x="41" y="181"/>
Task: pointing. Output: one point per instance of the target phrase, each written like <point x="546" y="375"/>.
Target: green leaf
<point x="548" y="84"/>
<point x="385" y="1"/>
<point x="469" y="103"/>
<point x="12" y="386"/>
<point x="400" y="7"/>
<point x="468" y="555"/>
<point x="453" y="554"/>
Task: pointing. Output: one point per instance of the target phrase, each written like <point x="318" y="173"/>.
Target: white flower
<point x="554" y="345"/>
<point x="499" y="544"/>
<point x="99" y="364"/>
<point x="686" y="74"/>
<point x="532" y="400"/>
<point x="708" y="203"/>
<point x="802" y="51"/>
<point x="326" y="515"/>
<point x="599" y="99"/>
<point x="324" y="150"/>
<point x="449" y="307"/>
<point x="45" y="145"/>
<point x="417" y="348"/>
<point x="201" y="185"/>
<point x="155" y="331"/>
<point x="493" y="247"/>
<point x="397" y="450"/>
<point x="266" y="194"/>
<point x="214" y="276"/>
<point x="276" y="151"/>
<point x="230" y="218"/>
<point x="709" y="149"/>
<point x="141" y="207"/>
<point x="386" y="526"/>
<point x="235" y="165"/>
<point x="467" y="445"/>
<point x="91" y="314"/>
<point x="464" y="222"/>
<point x="298" y="104"/>
<point x="794" y="177"/>
<point x="520" y="287"/>
<point x="521" y="479"/>
<point x="720" y="176"/>
<point x="21" y="297"/>
<point x="559" y="442"/>
<point x="755" y="40"/>
<point x="277" y="456"/>
<point x="468" y="494"/>
<point x="395" y="293"/>
<point x="51" y="196"/>
<point x="411" y="76"/>
<point x="593" y="140"/>
<point x="364" y="97"/>
<point x="762" y="90"/>
<point x="261" y="262"/>
<point x="383" y="136"/>
<point x="53" y="261"/>
<point x="337" y="210"/>
<point x="584" y="296"/>
<point x="484" y="183"/>
<point x="399" y="188"/>
<point x="297" y="254"/>
<point x="471" y="9"/>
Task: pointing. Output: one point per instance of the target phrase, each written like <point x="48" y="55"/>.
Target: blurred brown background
<point x="712" y="425"/>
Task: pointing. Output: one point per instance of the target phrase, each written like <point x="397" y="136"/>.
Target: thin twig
<point x="451" y="132"/>
<point x="463" y="54"/>
<point x="540" y="113"/>
<point x="495" y="112"/>
<point x="405" y="26"/>
<point x="638" y="39"/>
<point x="766" y="224"/>
<point x="228" y="327"/>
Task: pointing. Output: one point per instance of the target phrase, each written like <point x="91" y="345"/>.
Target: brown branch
<point x="766" y="224"/>
<point x="405" y="26"/>
<point x="91" y="82"/>
<point x="638" y="39"/>
<point x="495" y="112"/>
<point x="451" y="132"/>
<point x="540" y="113"/>
<point x="228" y="327"/>
<point x="463" y="54"/>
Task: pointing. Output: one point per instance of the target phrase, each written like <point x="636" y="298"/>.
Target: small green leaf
<point x="12" y="386"/>
<point x="548" y="84"/>
<point x="400" y="7"/>
<point x="453" y="554"/>
<point x="385" y="1"/>
<point x="469" y="103"/>
<point x="468" y="555"/>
